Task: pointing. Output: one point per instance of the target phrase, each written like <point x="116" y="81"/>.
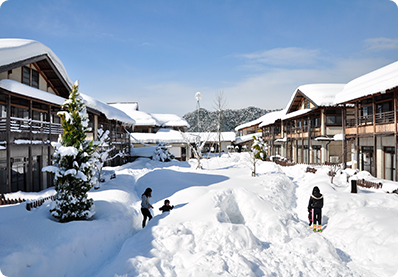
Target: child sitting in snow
<point x="315" y="205"/>
<point x="166" y="207"/>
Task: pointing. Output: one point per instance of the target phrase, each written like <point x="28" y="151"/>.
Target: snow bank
<point x="225" y="223"/>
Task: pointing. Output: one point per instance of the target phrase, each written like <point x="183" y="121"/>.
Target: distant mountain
<point x="230" y="118"/>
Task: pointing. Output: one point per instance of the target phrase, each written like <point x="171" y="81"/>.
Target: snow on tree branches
<point x="162" y="153"/>
<point x="74" y="164"/>
<point x="105" y="152"/>
<point x="258" y="152"/>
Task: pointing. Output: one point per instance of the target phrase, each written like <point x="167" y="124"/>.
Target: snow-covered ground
<point x="225" y="223"/>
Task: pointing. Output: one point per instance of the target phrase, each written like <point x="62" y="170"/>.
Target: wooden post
<point x="395" y="134"/>
<point x="344" y="142"/>
<point x="8" y="141"/>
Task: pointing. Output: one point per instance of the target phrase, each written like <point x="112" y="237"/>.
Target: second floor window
<point x="30" y="77"/>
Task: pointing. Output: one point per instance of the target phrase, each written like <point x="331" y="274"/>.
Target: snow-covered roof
<point x="270" y="118"/>
<point x="246" y="138"/>
<point x="213" y="136"/>
<point x="172" y="136"/>
<point x="130" y="106"/>
<point x="109" y="111"/>
<point x="170" y="120"/>
<point x="319" y="94"/>
<point x="141" y="118"/>
<point x="162" y="135"/>
<point x="334" y="138"/>
<point x="147" y="119"/>
<point x="15" y="50"/>
<point x="32" y="92"/>
<point x="250" y="123"/>
<point x="377" y="81"/>
<point x="281" y="140"/>
<point x="296" y="113"/>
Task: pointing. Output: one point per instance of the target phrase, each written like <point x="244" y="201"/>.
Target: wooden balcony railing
<point x="366" y="120"/>
<point x="386" y="117"/>
<point x="22" y="125"/>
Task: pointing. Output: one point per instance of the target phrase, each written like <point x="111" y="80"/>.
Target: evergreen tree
<point x="162" y="153"/>
<point x="259" y="148"/>
<point x="74" y="165"/>
<point x="258" y="152"/>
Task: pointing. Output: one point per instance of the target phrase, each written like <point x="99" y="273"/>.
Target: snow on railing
<point x="27" y="125"/>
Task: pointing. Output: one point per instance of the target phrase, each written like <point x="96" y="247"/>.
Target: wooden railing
<point x="22" y="125"/>
<point x="30" y="204"/>
<point x="311" y="170"/>
<point x="369" y="184"/>
<point x="386" y="117"/>
<point x="7" y="201"/>
<point x="37" y="203"/>
<point x="365" y="120"/>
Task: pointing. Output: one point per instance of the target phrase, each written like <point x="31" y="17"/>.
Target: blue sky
<point x="160" y="53"/>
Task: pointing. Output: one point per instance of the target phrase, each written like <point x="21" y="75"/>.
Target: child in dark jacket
<point x="166" y="207"/>
<point x="315" y="205"/>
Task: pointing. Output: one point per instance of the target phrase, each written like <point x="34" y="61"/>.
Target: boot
<point x="314" y="227"/>
<point x="320" y="228"/>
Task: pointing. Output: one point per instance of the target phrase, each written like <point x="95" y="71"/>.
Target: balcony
<point x="22" y="127"/>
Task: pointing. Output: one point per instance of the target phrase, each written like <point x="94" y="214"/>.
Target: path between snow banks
<point x="241" y="226"/>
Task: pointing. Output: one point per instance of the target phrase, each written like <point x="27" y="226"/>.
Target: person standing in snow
<point x="166" y="207"/>
<point x="315" y="205"/>
<point x="145" y="205"/>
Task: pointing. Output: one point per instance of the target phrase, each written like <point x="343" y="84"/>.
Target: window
<point x="3" y="111"/>
<point x="35" y="79"/>
<point x="30" y="77"/>
<point x="26" y="75"/>
<point x="19" y="112"/>
<point x="333" y="117"/>
<point x="384" y="107"/>
<point x="333" y="120"/>
<point x="306" y="104"/>
<point x="367" y="110"/>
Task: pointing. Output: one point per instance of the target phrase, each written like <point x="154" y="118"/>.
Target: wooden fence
<point x="361" y="183"/>
<point x="4" y="201"/>
<point x="369" y="184"/>
<point x="311" y="170"/>
<point x="30" y="204"/>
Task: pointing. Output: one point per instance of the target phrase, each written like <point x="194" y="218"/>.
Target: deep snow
<point x="225" y="223"/>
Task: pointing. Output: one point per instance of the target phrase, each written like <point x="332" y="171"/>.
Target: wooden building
<point x="33" y="86"/>
<point x="309" y="129"/>
<point x="370" y="121"/>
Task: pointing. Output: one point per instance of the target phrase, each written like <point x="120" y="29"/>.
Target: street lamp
<point x="198" y="97"/>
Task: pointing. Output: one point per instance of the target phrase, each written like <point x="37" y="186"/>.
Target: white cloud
<point x="273" y="89"/>
<point x="1" y="2"/>
<point x="380" y="44"/>
<point x="290" y="56"/>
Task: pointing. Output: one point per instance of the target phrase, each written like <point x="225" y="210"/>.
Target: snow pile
<point x="225" y="223"/>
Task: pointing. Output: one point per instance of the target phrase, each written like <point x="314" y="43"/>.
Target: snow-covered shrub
<point x="259" y="148"/>
<point x="257" y="152"/>
<point x="74" y="164"/>
<point x="162" y="153"/>
<point x="104" y="153"/>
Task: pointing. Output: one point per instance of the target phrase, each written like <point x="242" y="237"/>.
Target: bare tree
<point x="220" y="103"/>
<point x="196" y="144"/>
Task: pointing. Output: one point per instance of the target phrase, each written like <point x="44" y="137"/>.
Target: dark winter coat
<point x="316" y="199"/>
<point x="166" y="208"/>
